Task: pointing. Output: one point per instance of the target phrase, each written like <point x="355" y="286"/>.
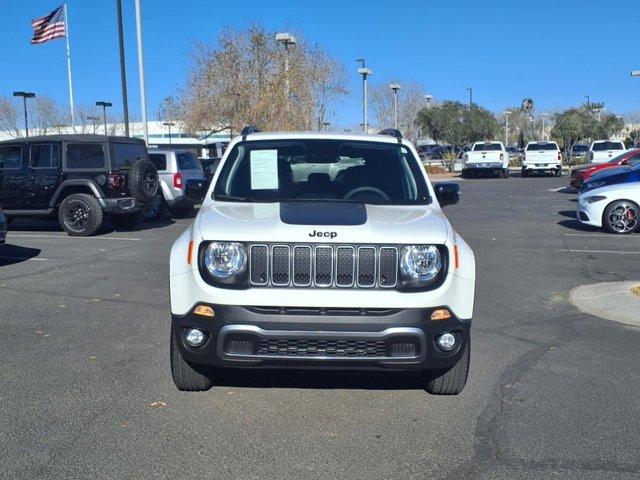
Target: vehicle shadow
<point x="568" y="213"/>
<point x="321" y="379"/>
<point x="34" y="225"/>
<point x="13" y="254"/>
<point x="577" y="226"/>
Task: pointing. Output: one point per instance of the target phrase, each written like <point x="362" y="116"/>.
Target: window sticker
<point x="264" y="169"/>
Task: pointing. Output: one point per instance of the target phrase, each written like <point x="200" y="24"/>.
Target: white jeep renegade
<point x="322" y="250"/>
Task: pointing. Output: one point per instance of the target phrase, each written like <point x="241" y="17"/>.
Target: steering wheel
<point x="357" y="191"/>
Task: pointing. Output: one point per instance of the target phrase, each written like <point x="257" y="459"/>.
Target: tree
<point x="453" y="123"/>
<point x="633" y="138"/>
<point x="10" y="117"/>
<point x="45" y="114"/>
<point x="410" y="101"/>
<point x="572" y="126"/>
<point x="244" y="80"/>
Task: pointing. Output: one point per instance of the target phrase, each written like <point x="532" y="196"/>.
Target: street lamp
<point x="506" y="127"/>
<point x="588" y="102"/>
<point x="287" y="40"/>
<point x="428" y="98"/>
<point x="104" y="106"/>
<point x="169" y="125"/>
<point x="470" y="90"/>
<point x="542" y="132"/>
<point x="24" y="96"/>
<point x="325" y="124"/>
<point x="394" y="88"/>
<point x="365" y="72"/>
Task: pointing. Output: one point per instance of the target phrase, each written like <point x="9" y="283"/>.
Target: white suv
<point x="178" y="172"/>
<point x="322" y="250"/>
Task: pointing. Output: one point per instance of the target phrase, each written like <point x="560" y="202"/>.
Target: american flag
<point x="49" y="27"/>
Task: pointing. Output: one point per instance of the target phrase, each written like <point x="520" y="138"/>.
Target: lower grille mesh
<point x="320" y="348"/>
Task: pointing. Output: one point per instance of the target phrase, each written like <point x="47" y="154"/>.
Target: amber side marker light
<point x="456" y="259"/>
<point x="190" y="253"/>
<point x="441" y="314"/>
<point x="204" y="311"/>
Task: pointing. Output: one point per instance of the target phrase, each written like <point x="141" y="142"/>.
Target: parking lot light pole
<point x="325" y="124"/>
<point x="169" y="125"/>
<point x="428" y="98"/>
<point x="506" y="127"/>
<point x="24" y="96"/>
<point x="542" y="131"/>
<point x="394" y="88"/>
<point x="93" y="122"/>
<point x="123" y="71"/>
<point x="470" y="90"/>
<point x="588" y="102"/>
<point x="104" y="106"/>
<point x="288" y="40"/>
<point x="365" y="72"/>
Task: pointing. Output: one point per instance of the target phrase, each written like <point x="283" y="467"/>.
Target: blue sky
<point x="553" y="51"/>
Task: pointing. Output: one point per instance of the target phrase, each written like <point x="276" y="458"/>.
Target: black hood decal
<point x="323" y="213"/>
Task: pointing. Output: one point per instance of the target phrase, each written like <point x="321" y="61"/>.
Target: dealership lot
<point x="86" y="389"/>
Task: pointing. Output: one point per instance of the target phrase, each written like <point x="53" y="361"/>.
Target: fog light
<point x="446" y="341"/>
<point x="194" y="337"/>
<point x="204" y="311"/>
<point x="441" y="314"/>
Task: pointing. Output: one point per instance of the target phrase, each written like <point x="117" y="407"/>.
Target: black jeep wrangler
<point x="78" y="177"/>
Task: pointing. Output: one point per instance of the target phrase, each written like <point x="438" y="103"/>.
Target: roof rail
<point x="393" y="132"/>
<point x="249" y="129"/>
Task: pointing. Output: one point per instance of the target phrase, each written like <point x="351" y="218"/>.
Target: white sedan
<point x="612" y="207"/>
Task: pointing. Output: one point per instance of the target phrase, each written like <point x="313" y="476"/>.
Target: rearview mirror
<point x="447" y="193"/>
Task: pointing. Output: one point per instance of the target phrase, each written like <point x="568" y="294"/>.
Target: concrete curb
<point x="609" y="300"/>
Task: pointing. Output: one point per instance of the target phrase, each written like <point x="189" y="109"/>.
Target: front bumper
<point x="323" y="338"/>
<point x="591" y="213"/>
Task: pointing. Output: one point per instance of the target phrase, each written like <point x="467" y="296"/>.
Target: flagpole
<point x="143" y="92"/>
<point x="66" y="23"/>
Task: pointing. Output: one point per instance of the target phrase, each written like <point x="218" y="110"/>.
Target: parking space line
<point x="600" y="235"/>
<point x="24" y="258"/>
<point x="11" y="235"/>
<point x="619" y="252"/>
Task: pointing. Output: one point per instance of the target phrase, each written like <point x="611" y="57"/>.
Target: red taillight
<point x="177" y="180"/>
<point x="115" y="182"/>
<point x="501" y="156"/>
<point x="559" y="156"/>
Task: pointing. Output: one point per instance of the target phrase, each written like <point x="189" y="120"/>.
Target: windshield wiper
<point x="233" y="198"/>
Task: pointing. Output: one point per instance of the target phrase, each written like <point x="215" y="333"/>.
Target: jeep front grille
<point x="323" y="266"/>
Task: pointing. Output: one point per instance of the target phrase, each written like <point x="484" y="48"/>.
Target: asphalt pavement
<point x="86" y="391"/>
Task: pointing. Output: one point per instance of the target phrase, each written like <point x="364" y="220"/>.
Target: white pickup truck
<point x="604" y="150"/>
<point x="542" y="157"/>
<point x="486" y="157"/>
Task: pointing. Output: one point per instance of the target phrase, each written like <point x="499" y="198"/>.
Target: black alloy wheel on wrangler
<point x="143" y="181"/>
<point x="80" y="215"/>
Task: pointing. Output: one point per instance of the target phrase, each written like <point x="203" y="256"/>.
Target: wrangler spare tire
<point x="143" y="181"/>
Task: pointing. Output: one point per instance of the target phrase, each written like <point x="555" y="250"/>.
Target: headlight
<point x="594" y="199"/>
<point x="224" y="264"/>
<point x="420" y="265"/>
<point x="224" y="259"/>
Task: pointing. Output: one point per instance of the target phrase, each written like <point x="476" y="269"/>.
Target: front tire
<point x="453" y="380"/>
<point x="621" y="217"/>
<point x="187" y="377"/>
<point x="558" y="172"/>
<point x="80" y="215"/>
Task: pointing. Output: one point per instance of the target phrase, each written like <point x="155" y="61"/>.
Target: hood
<point x="322" y="222"/>
<point x="598" y="181"/>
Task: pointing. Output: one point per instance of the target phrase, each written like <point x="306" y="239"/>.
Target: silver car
<point x="176" y="170"/>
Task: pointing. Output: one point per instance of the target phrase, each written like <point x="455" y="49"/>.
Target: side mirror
<point x="625" y="162"/>
<point x="447" y="193"/>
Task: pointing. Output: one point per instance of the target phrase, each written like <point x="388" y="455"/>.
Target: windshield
<point x="542" y="146"/>
<point x="599" y="147"/>
<point x="485" y="147"/>
<point x="318" y="170"/>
